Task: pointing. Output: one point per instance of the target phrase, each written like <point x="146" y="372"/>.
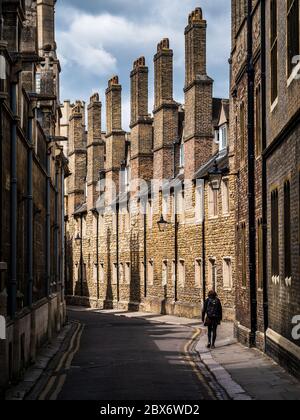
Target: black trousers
<point x="212" y="333"/>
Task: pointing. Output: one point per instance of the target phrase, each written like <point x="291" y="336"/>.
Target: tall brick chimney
<point x="165" y="112"/>
<point x="95" y="150"/>
<point x="141" y="123"/>
<point x="198" y="132"/>
<point x="46" y="24"/>
<point x="77" y="159"/>
<point x="115" y="137"/>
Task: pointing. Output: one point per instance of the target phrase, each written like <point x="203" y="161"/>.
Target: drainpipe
<point x="264" y="170"/>
<point x="251" y="175"/>
<point x="56" y="226"/>
<point x="203" y="249"/>
<point x="81" y="256"/>
<point x="1" y="181"/>
<point x="97" y="256"/>
<point x="12" y="286"/>
<point x="30" y="213"/>
<point x="176" y="255"/>
<point x="48" y="224"/>
<point x="118" y="250"/>
<point x="145" y="255"/>
<point x="62" y="233"/>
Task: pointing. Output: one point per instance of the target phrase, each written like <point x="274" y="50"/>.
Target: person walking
<point x="212" y="316"/>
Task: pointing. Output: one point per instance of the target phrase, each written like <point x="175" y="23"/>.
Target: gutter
<point x="251" y="175"/>
<point x="264" y="168"/>
<point x="12" y="283"/>
<point x="30" y="214"/>
<point x="48" y="223"/>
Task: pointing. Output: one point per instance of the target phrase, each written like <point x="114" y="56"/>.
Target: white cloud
<point x="93" y="47"/>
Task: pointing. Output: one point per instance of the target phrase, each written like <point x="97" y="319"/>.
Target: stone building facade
<point x="264" y="118"/>
<point x="33" y="169"/>
<point x="123" y="184"/>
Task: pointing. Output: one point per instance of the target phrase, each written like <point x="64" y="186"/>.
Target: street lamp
<point x="78" y="239"/>
<point x="215" y="177"/>
<point x="162" y="224"/>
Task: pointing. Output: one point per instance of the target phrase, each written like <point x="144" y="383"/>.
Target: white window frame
<point x="225" y="187"/>
<point x="198" y="273"/>
<point x="228" y="284"/>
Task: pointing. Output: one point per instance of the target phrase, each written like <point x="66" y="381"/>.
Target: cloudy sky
<point x="99" y="38"/>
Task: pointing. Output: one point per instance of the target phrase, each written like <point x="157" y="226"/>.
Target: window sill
<point x="276" y="280"/>
<point x="213" y="217"/>
<point x="288" y="281"/>
<point x="274" y="105"/>
<point x="294" y="75"/>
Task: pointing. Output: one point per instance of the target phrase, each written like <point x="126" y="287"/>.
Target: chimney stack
<point x="141" y="123"/>
<point x="95" y="150"/>
<point x="165" y="112"/>
<point x="77" y="159"/>
<point x="198" y="131"/>
<point x="115" y="137"/>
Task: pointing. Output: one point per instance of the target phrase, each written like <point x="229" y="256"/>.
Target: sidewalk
<point x="246" y="373"/>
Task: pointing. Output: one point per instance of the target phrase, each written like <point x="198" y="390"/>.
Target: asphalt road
<point x="131" y="359"/>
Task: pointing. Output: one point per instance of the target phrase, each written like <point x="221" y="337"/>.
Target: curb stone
<point x="233" y="389"/>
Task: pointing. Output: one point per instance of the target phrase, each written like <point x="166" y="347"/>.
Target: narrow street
<point x="122" y="358"/>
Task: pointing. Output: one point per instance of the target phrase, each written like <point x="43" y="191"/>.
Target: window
<point x="38" y="83"/>
<point x="164" y="273"/>
<point x="150" y="214"/>
<point x="199" y="216"/>
<point x="198" y="273"/>
<point x="115" y="273"/>
<point x="274" y="51"/>
<point x="165" y="206"/>
<point x="76" y="272"/>
<point x="128" y="273"/>
<point x="84" y="227"/>
<point x="223" y="142"/>
<point x="275" y="236"/>
<point x="180" y="207"/>
<point x="212" y="274"/>
<point x="102" y="273"/>
<point x="258" y="128"/>
<point x="122" y="273"/>
<point x="292" y="33"/>
<point x="181" y="273"/>
<point x="225" y="197"/>
<point x="287" y="231"/>
<point x="242" y="131"/>
<point x="95" y="273"/>
<point x="212" y="202"/>
<point x="151" y="272"/>
<point x="227" y="273"/>
<point x="142" y="273"/>
<point x="114" y="222"/>
<point x="244" y="254"/>
<point x="101" y="225"/>
<point x="260" y="255"/>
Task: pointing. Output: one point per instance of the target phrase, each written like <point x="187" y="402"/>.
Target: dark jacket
<point x="218" y="310"/>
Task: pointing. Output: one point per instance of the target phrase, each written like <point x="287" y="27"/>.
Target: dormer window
<point x="217" y="136"/>
<point x="223" y="137"/>
<point x="182" y="157"/>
